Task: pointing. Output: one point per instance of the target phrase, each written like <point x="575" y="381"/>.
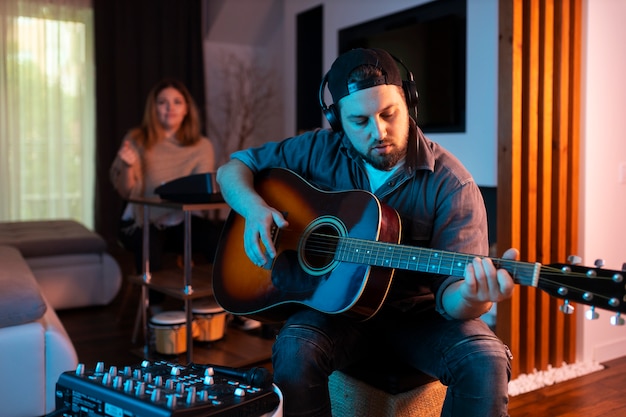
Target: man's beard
<point x="387" y="161"/>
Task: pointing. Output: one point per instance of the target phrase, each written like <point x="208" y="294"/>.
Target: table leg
<point x="188" y="287"/>
<point x="145" y="299"/>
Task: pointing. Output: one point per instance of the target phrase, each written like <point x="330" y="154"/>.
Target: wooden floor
<point x="103" y="334"/>
<point x="600" y="394"/>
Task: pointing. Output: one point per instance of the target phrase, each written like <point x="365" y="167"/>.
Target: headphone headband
<point x="332" y="112"/>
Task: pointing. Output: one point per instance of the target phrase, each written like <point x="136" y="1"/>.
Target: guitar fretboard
<point x="424" y="260"/>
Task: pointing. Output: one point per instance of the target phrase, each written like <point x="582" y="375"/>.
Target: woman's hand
<point x="128" y="154"/>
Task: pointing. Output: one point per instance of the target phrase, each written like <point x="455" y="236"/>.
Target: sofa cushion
<point x="50" y="237"/>
<point x="20" y="299"/>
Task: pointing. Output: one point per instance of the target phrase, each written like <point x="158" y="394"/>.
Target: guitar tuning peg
<point x="617" y="320"/>
<point x="574" y="260"/>
<point x="592" y="314"/>
<point x="599" y="263"/>
<point x="567" y="308"/>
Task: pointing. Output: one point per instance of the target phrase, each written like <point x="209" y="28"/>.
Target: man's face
<point x="376" y="121"/>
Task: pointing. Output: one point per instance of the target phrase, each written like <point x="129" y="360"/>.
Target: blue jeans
<point x="464" y="355"/>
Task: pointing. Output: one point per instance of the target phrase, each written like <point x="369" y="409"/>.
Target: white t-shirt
<point x="378" y="177"/>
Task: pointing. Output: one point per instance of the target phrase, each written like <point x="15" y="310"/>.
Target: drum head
<point x="169" y="318"/>
<point x="207" y="306"/>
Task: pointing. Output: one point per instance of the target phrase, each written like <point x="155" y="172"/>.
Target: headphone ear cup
<point x="410" y="93"/>
<point x="334" y="119"/>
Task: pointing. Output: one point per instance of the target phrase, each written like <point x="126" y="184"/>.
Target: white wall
<point x="251" y="32"/>
<point x="478" y="144"/>
<point x="603" y="196"/>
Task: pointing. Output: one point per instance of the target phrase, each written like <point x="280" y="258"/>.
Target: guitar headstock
<point x="594" y="286"/>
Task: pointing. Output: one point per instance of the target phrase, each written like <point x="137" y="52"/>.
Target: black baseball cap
<point x="344" y="64"/>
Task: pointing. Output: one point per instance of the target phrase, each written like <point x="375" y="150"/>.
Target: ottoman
<point x="69" y="262"/>
<point x="384" y="387"/>
<point x="351" y="397"/>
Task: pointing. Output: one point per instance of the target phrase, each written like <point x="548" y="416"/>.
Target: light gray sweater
<point x="165" y="161"/>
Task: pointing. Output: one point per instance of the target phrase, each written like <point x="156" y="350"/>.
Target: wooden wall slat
<point x="530" y="172"/>
<point x="538" y="134"/>
<point x="544" y="307"/>
<point x="561" y="163"/>
<point x="574" y="99"/>
<point x="509" y="138"/>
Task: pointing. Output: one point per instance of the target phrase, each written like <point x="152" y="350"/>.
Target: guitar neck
<point x="411" y="258"/>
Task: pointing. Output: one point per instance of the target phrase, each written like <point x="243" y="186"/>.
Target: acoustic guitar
<point x="339" y="253"/>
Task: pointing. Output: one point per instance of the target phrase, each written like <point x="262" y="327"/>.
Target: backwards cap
<point x="342" y="67"/>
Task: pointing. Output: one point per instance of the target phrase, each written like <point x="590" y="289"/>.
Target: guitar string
<point x="374" y="251"/>
<point x="392" y="255"/>
<point x="342" y="248"/>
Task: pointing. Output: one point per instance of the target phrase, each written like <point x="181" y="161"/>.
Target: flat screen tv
<point x="431" y="41"/>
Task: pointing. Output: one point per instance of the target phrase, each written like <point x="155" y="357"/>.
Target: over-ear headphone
<point x="332" y="112"/>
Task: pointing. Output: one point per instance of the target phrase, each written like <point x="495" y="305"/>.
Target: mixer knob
<point x="175" y="371"/>
<point x="117" y="382"/>
<point x="145" y="364"/>
<point x="137" y="374"/>
<point x="106" y="379"/>
<point x="99" y="367"/>
<point x="158" y="381"/>
<point x="140" y="389"/>
<point x="80" y="369"/>
<point x="169" y="384"/>
<point x="147" y="377"/>
<point x="180" y="388"/>
<point x="209" y="371"/>
<point x="127" y="371"/>
<point x="191" y="395"/>
<point x="156" y="395"/>
<point x="203" y="395"/>
<point x="208" y="380"/>
<point x="129" y="386"/>
<point x="240" y="392"/>
<point x="171" y="401"/>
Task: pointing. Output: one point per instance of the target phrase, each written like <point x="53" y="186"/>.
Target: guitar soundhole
<point x="318" y="245"/>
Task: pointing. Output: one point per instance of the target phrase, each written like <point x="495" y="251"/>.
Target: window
<point x="47" y="132"/>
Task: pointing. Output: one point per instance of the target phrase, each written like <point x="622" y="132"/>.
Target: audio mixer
<point x="161" y="388"/>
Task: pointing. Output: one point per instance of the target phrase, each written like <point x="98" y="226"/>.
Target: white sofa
<point x="35" y="348"/>
<point x="69" y="261"/>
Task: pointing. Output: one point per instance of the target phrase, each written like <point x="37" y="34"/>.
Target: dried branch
<point x="238" y="118"/>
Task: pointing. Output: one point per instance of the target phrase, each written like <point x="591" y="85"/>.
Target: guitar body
<point x="306" y="272"/>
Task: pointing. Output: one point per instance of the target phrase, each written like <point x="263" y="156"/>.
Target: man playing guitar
<point x="430" y="321"/>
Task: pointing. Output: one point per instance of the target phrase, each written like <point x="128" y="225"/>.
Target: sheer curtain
<point x="47" y="110"/>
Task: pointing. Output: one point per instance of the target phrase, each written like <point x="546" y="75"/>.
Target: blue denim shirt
<point x="440" y="205"/>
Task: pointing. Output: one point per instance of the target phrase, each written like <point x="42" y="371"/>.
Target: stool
<point x="393" y="391"/>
